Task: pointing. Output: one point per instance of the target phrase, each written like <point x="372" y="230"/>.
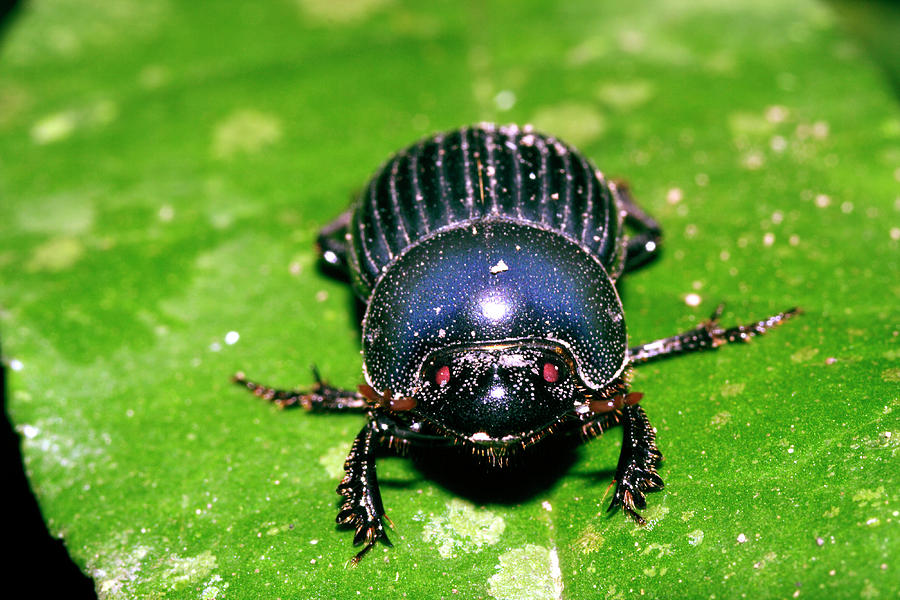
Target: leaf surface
<point x="165" y="169"/>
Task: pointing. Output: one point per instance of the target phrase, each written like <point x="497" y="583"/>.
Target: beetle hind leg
<point x="644" y="245"/>
<point x="332" y="241"/>
<point x="636" y="472"/>
<point x="362" y="508"/>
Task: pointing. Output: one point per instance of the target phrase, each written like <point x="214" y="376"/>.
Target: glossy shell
<point x="487" y="234"/>
<point x="491" y="282"/>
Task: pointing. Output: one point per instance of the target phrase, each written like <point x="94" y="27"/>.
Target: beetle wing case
<point x="482" y="172"/>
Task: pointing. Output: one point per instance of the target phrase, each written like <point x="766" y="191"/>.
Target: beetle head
<point x="498" y="394"/>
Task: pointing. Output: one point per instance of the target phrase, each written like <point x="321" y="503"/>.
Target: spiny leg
<point x="362" y="508"/>
<point x="320" y="398"/>
<point x="595" y="425"/>
<point x="643" y="247"/>
<point x="636" y="471"/>
<point x="709" y="335"/>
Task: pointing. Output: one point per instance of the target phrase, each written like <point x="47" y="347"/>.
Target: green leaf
<point x="165" y="167"/>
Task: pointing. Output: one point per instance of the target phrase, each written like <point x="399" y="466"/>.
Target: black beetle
<point x="487" y="259"/>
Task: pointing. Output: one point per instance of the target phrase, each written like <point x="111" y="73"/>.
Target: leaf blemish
<point x="529" y="573"/>
<point x="590" y="539"/>
<point x="245" y="132"/>
<point x="463" y="527"/>
<point x="721" y="419"/>
<point x="653" y="515"/>
<point x="695" y="538"/>
<point x="333" y="460"/>
<point x="56" y="255"/>
<point x="867" y="497"/>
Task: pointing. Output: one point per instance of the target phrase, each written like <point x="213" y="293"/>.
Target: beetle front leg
<point x="362" y="508"/>
<point x="320" y="398"/>
<point x="636" y="471"/>
<point x="709" y="335"/>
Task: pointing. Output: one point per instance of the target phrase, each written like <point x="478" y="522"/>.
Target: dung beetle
<point x="487" y="260"/>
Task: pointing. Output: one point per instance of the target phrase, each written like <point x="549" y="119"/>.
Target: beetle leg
<point x="320" y="398"/>
<point x="332" y="241"/>
<point x="362" y="508"/>
<point x="644" y="246"/>
<point x="598" y="424"/>
<point x="707" y="336"/>
<point x="636" y="471"/>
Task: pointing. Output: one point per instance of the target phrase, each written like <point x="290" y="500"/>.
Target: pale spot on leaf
<point x="245" y="131"/>
<point x="464" y="528"/>
<point x="804" y="354"/>
<point x="59" y="126"/>
<point x="53" y="128"/>
<point x="333" y="460"/>
<point x="56" y="254"/>
<point x="576" y="123"/>
<point x="340" y="13"/>
<point x="733" y="389"/>
<point x="695" y="538"/>
<point x="529" y="573"/>
<point x="626" y="95"/>
<point x="720" y="420"/>
<point x="590" y="539"/>
<point x="891" y="375"/>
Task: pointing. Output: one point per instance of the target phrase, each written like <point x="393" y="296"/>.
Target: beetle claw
<point x="636" y="472"/>
<point x="361" y="508"/>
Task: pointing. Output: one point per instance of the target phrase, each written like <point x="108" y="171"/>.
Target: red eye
<point x="551" y="373"/>
<point x="442" y="377"/>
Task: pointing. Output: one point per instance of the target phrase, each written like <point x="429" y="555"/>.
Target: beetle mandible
<point x="487" y="259"/>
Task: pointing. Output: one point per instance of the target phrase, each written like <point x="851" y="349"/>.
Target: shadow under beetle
<point x="487" y="259"/>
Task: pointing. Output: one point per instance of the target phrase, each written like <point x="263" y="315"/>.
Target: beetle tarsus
<point x="362" y="508"/>
<point x="636" y="472"/>
<point x="644" y="246"/>
<point x="743" y="333"/>
<point x="707" y="336"/>
<point x="283" y="398"/>
<point x="320" y="398"/>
